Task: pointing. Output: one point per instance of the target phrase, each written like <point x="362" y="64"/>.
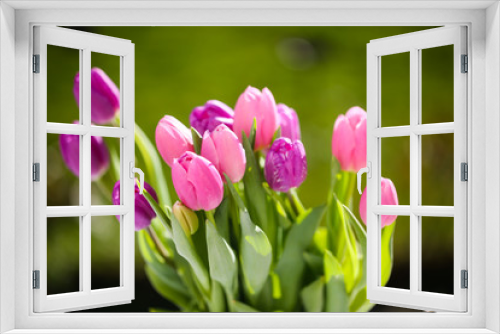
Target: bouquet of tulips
<point x="239" y="238"/>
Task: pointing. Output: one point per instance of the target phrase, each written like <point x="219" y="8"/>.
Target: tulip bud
<point x="389" y="197"/>
<point x="289" y="122"/>
<point x="209" y="116"/>
<point x="222" y="148"/>
<point x="186" y="217"/>
<point x="286" y="164"/>
<point x="70" y="151"/>
<point x="253" y="104"/>
<point x="349" y="139"/>
<point x="104" y="95"/>
<point x="173" y="139"/>
<point x="197" y="182"/>
<point x="144" y="213"/>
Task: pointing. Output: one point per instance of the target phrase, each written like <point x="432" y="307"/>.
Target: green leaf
<point x="222" y="218"/>
<point x="290" y="267"/>
<point x="186" y="249"/>
<point x="314" y="262"/>
<point x="197" y="140"/>
<point x="350" y="262"/>
<point x="321" y="239"/>
<point x="255" y="192"/>
<point x="255" y="254"/>
<point x="241" y="307"/>
<point x="359" y="303"/>
<point x="168" y="284"/>
<point x="154" y="168"/>
<point x="253" y="133"/>
<point x="147" y="248"/>
<point x="337" y="299"/>
<point x="223" y="265"/>
<point x="162" y="216"/>
<point x="234" y="193"/>
<point x="313" y="296"/>
<point x="359" y="291"/>
<point x="387" y="258"/>
<point x="217" y="302"/>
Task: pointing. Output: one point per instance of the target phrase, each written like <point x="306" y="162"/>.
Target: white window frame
<point x="86" y="44"/>
<point x="414" y="44"/>
<point x="16" y="21"/>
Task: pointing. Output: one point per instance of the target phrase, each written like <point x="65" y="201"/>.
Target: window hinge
<point x="36" y="279"/>
<point x="36" y="63"/>
<point x="465" y="64"/>
<point x="36" y="172"/>
<point x="465" y="279"/>
<point x="464" y="171"/>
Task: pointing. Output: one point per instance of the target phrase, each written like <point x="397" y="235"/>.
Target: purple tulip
<point x="104" y="95"/>
<point x="286" y="164"/>
<point x="144" y="213"/>
<point x="209" y="116"/>
<point x="99" y="155"/>
<point x="289" y="122"/>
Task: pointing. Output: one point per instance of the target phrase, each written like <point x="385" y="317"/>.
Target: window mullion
<point x="415" y="268"/>
<point x="85" y="175"/>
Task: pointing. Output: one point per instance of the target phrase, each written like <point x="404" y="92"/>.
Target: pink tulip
<point x="389" y="197"/>
<point x="349" y="139"/>
<point x="173" y="139"/>
<point x="222" y="148"/>
<point x="289" y="122"/>
<point x="197" y="182"/>
<point x="253" y="104"/>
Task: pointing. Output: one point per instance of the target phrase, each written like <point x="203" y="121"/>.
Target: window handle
<point x="368" y="171"/>
<point x="134" y="170"/>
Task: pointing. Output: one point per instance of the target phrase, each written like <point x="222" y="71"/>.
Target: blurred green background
<point x="318" y="71"/>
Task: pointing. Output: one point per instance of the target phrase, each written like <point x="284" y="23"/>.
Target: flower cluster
<point x="239" y="238"/>
<point x="198" y="177"/>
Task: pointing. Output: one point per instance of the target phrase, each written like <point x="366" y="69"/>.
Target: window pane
<point x="105" y="162"/>
<point x="105" y="252"/>
<point x="63" y="167"/>
<point x="395" y="90"/>
<point x="63" y="255"/>
<point x="105" y="95"/>
<point x="400" y="275"/>
<point x="437" y="84"/>
<point x="437" y="169"/>
<point x="62" y="67"/>
<point x="395" y="166"/>
<point x="437" y="254"/>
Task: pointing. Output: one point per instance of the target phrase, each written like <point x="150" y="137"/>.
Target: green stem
<point x="210" y="216"/>
<point x="159" y="246"/>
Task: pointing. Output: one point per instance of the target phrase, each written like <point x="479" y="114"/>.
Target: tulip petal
<point x="172" y="139"/>
<point x="207" y="183"/>
<point x="184" y="187"/>
<point x="209" y="151"/>
<point x="231" y="155"/>
<point x="359" y="153"/>
<point x="355" y="115"/>
<point x="343" y="142"/>
<point x="267" y="119"/>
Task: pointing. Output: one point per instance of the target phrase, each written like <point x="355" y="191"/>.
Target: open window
<point x="416" y="46"/>
<point x="81" y="132"/>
